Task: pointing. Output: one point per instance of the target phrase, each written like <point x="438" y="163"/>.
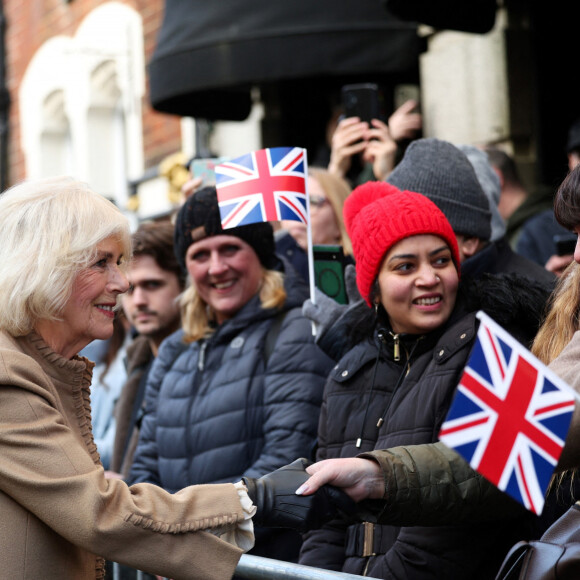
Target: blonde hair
<point x="563" y="318"/>
<point x="557" y="330"/>
<point x="336" y="190"/>
<point x="49" y="231"/>
<point x="197" y="318"/>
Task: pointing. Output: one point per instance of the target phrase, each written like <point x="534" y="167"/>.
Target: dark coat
<point x="536" y="239"/>
<point x="412" y="397"/>
<point x="498" y="257"/>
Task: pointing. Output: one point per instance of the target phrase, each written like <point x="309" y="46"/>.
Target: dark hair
<point x="504" y="163"/>
<point x="567" y="201"/>
<point x="155" y="239"/>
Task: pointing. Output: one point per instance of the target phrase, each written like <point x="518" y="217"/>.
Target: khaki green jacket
<point x="432" y="484"/>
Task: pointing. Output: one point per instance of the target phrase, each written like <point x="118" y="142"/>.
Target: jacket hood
<point x="513" y="301"/>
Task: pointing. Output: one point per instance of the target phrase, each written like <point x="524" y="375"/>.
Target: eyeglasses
<point x="317" y="200"/>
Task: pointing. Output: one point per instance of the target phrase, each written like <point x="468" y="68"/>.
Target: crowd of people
<point x="166" y="405"/>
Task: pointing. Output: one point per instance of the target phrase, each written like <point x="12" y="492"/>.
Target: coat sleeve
<point x="57" y="481"/>
<point x="567" y="366"/>
<point x="433" y="485"/>
<point x="145" y="466"/>
<point x="293" y="384"/>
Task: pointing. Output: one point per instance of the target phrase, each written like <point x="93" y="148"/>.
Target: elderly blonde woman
<point x="237" y="391"/>
<point x="63" y="250"/>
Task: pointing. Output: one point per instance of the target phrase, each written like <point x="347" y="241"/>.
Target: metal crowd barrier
<point x="258" y="568"/>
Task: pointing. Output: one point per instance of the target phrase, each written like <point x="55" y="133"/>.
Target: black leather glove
<point x="279" y="506"/>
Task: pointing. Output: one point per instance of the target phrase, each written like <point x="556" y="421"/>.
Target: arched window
<point x="106" y="147"/>
<point x="80" y="103"/>
<point x="56" y="156"/>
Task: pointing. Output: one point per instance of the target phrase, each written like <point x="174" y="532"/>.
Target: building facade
<point x="76" y="77"/>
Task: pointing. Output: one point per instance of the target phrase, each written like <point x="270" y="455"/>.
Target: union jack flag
<point x="265" y="185"/>
<point x="510" y="416"/>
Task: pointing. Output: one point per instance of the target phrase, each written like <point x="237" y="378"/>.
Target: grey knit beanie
<point x="441" y="172"/>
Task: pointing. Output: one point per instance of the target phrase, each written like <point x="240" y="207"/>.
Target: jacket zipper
<point x="396" y="346"/>
<point x="201" y="357"/>
<point x="404" y="373"/>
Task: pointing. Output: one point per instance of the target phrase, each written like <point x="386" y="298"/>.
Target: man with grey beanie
<point x="443" y="173"/>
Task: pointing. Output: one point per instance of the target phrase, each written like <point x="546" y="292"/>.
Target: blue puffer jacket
<point x="217" y="409"/>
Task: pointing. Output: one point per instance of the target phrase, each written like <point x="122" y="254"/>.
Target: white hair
<point x="49" y="231"/>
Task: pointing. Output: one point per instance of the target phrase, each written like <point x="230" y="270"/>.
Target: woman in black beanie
<point x="237" y="391"/>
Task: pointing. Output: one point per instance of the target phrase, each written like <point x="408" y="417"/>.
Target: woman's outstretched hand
<point x="357" y="477"/>
<point x="279" y="506"/>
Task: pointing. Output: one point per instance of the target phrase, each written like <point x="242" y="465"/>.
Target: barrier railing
<point x="258" y="568"/>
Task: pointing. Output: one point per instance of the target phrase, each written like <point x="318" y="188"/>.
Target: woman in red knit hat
<point x="394" y="387"/>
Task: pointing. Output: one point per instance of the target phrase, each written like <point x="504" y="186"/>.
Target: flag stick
<point x="309" y="241"/>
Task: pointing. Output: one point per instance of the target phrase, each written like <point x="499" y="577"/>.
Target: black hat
<point x="199" y="218"/>
<point x="441" y="172"/>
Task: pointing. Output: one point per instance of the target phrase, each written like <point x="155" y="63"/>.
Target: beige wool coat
<point x="60" y="516"/>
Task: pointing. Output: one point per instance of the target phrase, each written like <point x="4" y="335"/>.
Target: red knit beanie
<point x="377" y="215"/>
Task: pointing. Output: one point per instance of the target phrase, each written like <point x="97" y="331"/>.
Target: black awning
<point x="476" y="16"/>
<point x="210" y="54"/>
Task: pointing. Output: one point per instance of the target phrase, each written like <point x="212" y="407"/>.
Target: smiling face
<point x="418" y="284"/>
<point x="89" y="314"/>
<point x="226" y="272"/>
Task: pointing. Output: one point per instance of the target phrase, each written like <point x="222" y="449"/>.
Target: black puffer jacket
<point x="383" y="402"/>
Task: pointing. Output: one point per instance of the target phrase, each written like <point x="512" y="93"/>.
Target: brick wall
<point x="30" y="23"/>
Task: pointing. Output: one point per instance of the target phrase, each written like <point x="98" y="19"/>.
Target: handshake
<point x="274" y="495"/>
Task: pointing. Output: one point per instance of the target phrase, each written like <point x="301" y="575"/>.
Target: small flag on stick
<point x="510" y="416"/>
<point x="261" y="186"/>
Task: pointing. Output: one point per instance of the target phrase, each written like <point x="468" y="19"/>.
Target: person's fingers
<point x="190" y="186"/>
<point x="314" y="483"/>
<point x="350" y="135"/>
<point x="557" y="264"/>
<point x="379" y="125"/>
<point x="407" y="107"/>
<point x="405" y="122"/>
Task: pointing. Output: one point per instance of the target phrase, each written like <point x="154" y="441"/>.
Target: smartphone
<point x="361" y="100"/>
<point x="565" y="244"/>
<point x="205" y="168"/>
<point x="329" y="271"/>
